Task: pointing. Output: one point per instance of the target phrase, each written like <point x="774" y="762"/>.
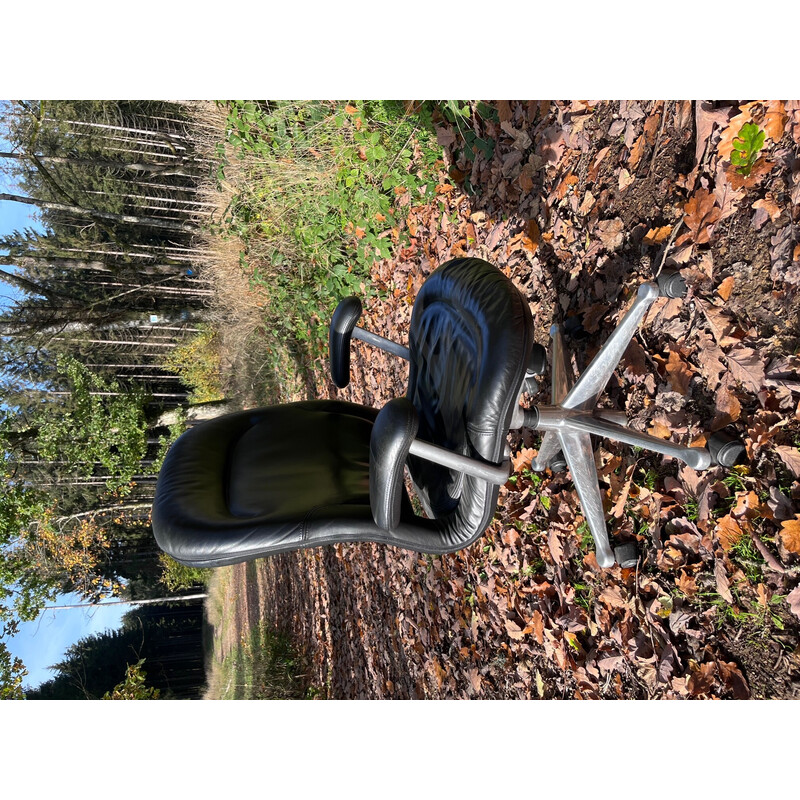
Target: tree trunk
<point x="140" y="167"/>
<point x="127" y="219"/>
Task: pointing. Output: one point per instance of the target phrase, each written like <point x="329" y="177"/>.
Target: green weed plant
<point x="746" y="147"/>
<point x="327" y="187"/>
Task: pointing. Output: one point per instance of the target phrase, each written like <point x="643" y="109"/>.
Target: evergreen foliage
<point x="109" y="281"/>
<point x="167" y="638"/>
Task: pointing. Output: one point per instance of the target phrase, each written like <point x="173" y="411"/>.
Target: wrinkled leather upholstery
<point x="470" y="338"/>
<point x="267" y="481"/>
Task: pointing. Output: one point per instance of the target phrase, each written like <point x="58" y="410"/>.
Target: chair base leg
<point x="572" y="419"/>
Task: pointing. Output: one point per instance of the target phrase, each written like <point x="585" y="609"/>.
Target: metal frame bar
<point x="381" y="343"/>
<point x="591" y="383"/>
<point x="577" y="448"/>
<point x="494" y="473"/>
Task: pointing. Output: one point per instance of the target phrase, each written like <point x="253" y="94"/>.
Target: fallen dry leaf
<point x="728" y="407"/>
<point x="770" y="207"/>
<point x="728" y="531"/>
<point x="732" y="678"/>
<point x="521" y="139"/>
<point x="790" y="535"/>
<point x="747" y="367"/>
<point x="657" y="235"/>
<point x="726" y="287"/>
<point x="680" y="375"/>
<point x="701" y="681"/>
<point x="687" y="584"/>
<point x="534" y="235"/>
<point x="587" y="204"/>
<point x="701" y="212"/>
<point x="659" y="430"/>
<point x="625" y="179"/>
<point x="721" y="578"/>
<point x="523" y="458"/>
<point x="610" y="232"/>
<point x="793" y="601"/>
<point x="514" y="630"/>
<point x="636" y="152"/>
<point x="706" y="119"/>
<point x="790" y="457"/>
<point x="537" y="621"/>
<point x="770" y="116"/>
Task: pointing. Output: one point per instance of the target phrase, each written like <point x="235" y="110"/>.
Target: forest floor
<point x="578" y="204"/>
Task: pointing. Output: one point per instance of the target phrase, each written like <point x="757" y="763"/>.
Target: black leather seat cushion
<point x="299" y="455"/>
<point x="250" y="480"/>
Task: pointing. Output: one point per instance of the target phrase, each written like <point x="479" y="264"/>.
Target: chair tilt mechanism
<point x="259" y="482"/>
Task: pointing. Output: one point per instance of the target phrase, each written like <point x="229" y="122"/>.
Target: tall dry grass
<point x="257" y="367"/>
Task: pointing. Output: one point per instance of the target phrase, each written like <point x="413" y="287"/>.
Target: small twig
<point x="658" y="138"/>
<point x="662" y="256"/>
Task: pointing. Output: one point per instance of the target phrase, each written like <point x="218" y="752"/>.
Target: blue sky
<point x="13" y="216"/>
<point x="43" y="642"/>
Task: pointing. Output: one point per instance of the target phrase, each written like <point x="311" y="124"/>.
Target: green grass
<point x="264" y="667"/>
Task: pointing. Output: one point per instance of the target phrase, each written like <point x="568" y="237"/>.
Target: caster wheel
<point x="537" y="361"/>
<point x="558" y="463"/>
<point x="573" y="328"/>
<point x="671" y="283"/>
<point x="726" y="450"/>
<point x="530" y="385"/>
<point x="627" y="555"/>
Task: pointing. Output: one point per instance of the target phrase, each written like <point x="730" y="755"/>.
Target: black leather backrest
<point x="470" y="338"/>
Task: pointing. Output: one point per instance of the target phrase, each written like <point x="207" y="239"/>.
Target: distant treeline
<point x="169" y="639"/>
<point x="108" y="283"/>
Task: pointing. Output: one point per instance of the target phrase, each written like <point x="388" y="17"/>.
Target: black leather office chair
<point x="266" y="481"/>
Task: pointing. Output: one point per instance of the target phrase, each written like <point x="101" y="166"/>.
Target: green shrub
<point x="177" y="576"/>
<point x="321" y="197"/>
<point x="197" y="362"/>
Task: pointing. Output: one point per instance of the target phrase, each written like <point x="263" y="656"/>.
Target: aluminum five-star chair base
<point x="573" y="417"/>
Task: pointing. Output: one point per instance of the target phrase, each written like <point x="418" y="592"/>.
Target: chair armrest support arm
<point x="392" y="434"/>
<point x="393" y="438"/>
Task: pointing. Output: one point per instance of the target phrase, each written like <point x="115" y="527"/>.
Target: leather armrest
<point x="342" y="323"/>
<point x="392" y="433"/>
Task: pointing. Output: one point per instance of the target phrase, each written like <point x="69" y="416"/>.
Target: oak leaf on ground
<point x="790" y="457"/>
<point x="729" y="532"/>
<point x="610" y="232"/>
<point x="680" y="375"/>
<point x="769" y="116"/>
<point x="790" y="534"/>
<point x="747" y="366"/>
<point x="701" y="680"/>
<point x="701" y="212"/>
